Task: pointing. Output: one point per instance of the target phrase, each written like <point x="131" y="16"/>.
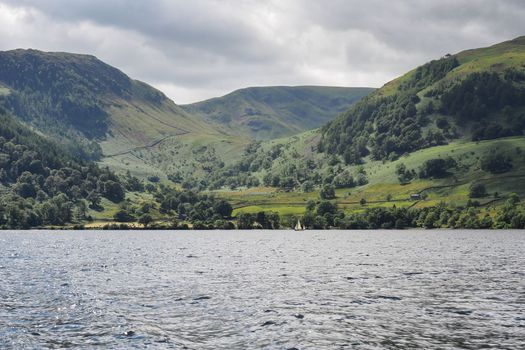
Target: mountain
<point x="441" y="146"/>
<point x="476" y="94"/>
<point x="271" y="112"/>
<point x="100" y="113"/>
<point x="436" y="134"/>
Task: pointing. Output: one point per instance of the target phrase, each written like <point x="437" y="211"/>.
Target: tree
<point x="326" y="207"/>
<point x="123" y="216"/>
<point x="477" y="190"/>
<point x="310" y="205"/>
<point x="437" y="168"/>
<point x="403" y="174"/>
<point x="113" y="191"/>
<point x="153" y="178"/>
<point x="223" y="208"/>
<point x="133" y="183"/>
<point x="320" y="223"/>
<point x="307" y="186"/>
<point x="80" y="211"/>
<point x="399" y="224"/>
<point x="496" y="163"/>
<point x="94" y="200"/>
<point x="288" y="183"/>
<point x="442" y="123"/>
<point x="327" y="192"/>
<point x="430" y="219"/>
<point x="145" y="220"/>
<point x="343" y="180"/>
<point x="245" y="221"/>
<point x="199" y="225"/>
<point x="261" y="219"/>
<point x="362" y="201"/>
<point x="26" y="190"/>
<point x="274" y="220"/>
<point x="361" y="179"/>
<point x="223" y="225"/>
<point x="513" y="199"/>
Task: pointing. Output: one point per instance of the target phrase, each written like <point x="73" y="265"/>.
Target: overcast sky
<point x="193" y="50"/>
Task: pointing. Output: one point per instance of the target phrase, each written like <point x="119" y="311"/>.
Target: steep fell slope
<point x="100" y="113"/>
<point x="476" y="94"/>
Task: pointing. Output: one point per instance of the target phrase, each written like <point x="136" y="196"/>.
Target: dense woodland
<point x="388" y="127"/>
<point x="324" y="214"/>
<point x="41" y="183"/>
<point x="180" y="207"/>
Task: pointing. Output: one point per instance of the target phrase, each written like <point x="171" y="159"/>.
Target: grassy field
<point x="383" y="182"/>
<point x="187" y="154"/>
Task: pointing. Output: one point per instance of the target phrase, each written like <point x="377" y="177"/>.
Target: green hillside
<point x="441" y="146"/>
<point x="476" y="94"/>
<point x="100" y="113"/>
<point x="435" y="133"/>
<point x="42" y="183"/>
<point x="269" y="112"/>
<point x="375" y="180"/>
<point x="472" y="96"/>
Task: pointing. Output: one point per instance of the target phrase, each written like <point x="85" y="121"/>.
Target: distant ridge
<point x="276" y="111"/>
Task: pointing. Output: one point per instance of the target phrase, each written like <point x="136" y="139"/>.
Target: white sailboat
<point x="299" y="226"/>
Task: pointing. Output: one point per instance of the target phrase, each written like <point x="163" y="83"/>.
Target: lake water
<point x="263" y="290"/>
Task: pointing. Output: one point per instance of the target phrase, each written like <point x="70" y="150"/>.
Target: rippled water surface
<point x="271" y="290"/>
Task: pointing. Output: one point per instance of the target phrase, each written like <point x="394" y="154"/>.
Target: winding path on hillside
<point x="150" y="145"/>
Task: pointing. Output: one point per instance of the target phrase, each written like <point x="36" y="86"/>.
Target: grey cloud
<point x="216" y="26"/>
<point x="424" y="25"/>
<point x="196" y="49"/>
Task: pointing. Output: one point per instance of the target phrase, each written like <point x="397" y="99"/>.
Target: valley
<point x="441" y="146"/>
